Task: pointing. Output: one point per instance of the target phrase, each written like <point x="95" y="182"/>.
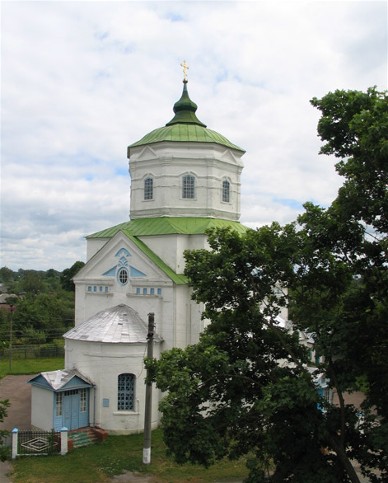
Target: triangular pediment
<point x="121" y="252"/>
<point x="230" y="157"/>
<point x="61" y="380"/>
<point x="147" y="154"/>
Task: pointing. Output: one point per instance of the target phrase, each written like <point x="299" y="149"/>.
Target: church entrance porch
<point x="60" y="399"/>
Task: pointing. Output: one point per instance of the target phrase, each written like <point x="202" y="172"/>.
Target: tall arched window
<point x="226" y="191"/>
<point x="188" y="186"/>
<point x="126" y="392"/>
<point x="148" y="189"/>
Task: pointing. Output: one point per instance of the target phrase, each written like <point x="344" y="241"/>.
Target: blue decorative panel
<point x="123" y="252"/>
<point x="136" y="273"/>
<point x="123" y="262"/>
<point x="111" y="272"/>
<point x="76" y="382"/>
<point x="41" y="382"/>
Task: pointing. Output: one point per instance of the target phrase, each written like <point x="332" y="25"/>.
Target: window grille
<point x="188" y="187"/>
<point x="123" y="276"/>
<point x="126" y="392"/>
<point x="148" y="189"/>
<point x="82" y="394"/>
<point x="226" y="191"/>
<point x="70" y="392"/>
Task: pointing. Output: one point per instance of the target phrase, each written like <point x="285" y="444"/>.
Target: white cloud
<point x="82" y="80"/>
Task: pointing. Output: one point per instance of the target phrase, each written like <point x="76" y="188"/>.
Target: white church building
<point x="185" y="178"/>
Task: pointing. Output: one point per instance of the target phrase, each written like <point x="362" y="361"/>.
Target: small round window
<point x="123" y="276"/>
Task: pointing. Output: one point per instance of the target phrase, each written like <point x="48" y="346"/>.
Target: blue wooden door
<point x="71" y="409"/>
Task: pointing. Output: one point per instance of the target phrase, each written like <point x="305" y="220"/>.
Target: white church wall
<point x="163" y="305"/>
<point x="166" y="163"/>
<point x="197" y="324"/>
<point x="42" y="407"/>
<point x="98" y="287"/>
<point x="171" y="247"/>
<point x="163" y="309"/>
<point x="95" y="300"/>
<point x="102" y="363"/>
<point x="93" y="246"/>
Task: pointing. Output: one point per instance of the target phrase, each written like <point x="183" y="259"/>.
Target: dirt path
<point x="129" y="477"/>
<point x="16" y="389"/>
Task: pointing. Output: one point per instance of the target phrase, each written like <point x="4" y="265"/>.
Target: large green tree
<point x="354" y="128"/>
<point x="43" y="317"/>
<point x="68" y="274"/>
<point x="249" y="387"/>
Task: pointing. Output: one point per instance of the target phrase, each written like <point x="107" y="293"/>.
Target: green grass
<point x="117" y="454"/>
<point x="100" y="462"/>
<point x="30" y="366"/>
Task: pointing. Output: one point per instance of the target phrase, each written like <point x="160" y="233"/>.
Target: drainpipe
<point x="94" y="405"/>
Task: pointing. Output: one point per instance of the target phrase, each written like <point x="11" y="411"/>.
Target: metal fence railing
<point x="38" y="443"/>
<point x="43" y="443"/>
<point x="35" y="351"/>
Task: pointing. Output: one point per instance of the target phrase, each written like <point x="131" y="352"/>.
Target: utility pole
<point x="11" y="308"/>
<point x="148" y="394"/>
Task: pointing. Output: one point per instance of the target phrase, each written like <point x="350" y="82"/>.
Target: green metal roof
<point x="165" y="226"/>
<point x="178" y="279"/>
<point x="185" y="133"/>
<point x="168" y="226"/>
<point x="185" y="109"/>
<point x="184" y="127"/>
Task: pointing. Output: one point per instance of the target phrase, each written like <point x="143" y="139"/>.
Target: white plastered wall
<point x="167" y="162"/>
<point x="102" y="363"/>
<point x="42" y="407"/>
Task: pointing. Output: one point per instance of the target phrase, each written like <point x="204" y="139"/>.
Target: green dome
<point x="185" y="127"/>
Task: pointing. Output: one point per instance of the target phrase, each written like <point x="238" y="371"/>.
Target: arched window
<point x="126" y="392"/>
<point x="188" y="186"/>
<point x="226" y="191"/>
<point x="148" y="189"/>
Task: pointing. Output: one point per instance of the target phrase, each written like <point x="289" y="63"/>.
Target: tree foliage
<point x="6" y="274"/>
<point x="4" y="450"/>
<point x="354" y="127"/>
<point x="43" y="307"/>
<point x="249" y="387"/>
<point x="68" y="274"/>
<point x="43" y="315"/>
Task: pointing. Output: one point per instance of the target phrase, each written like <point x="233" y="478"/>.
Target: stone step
<point x="83" y="438"/>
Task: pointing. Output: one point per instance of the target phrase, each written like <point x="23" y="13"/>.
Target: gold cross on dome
<point x="185" y="67"/>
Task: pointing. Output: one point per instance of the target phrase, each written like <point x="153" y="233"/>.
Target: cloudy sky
<point x="82" y="80"/>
